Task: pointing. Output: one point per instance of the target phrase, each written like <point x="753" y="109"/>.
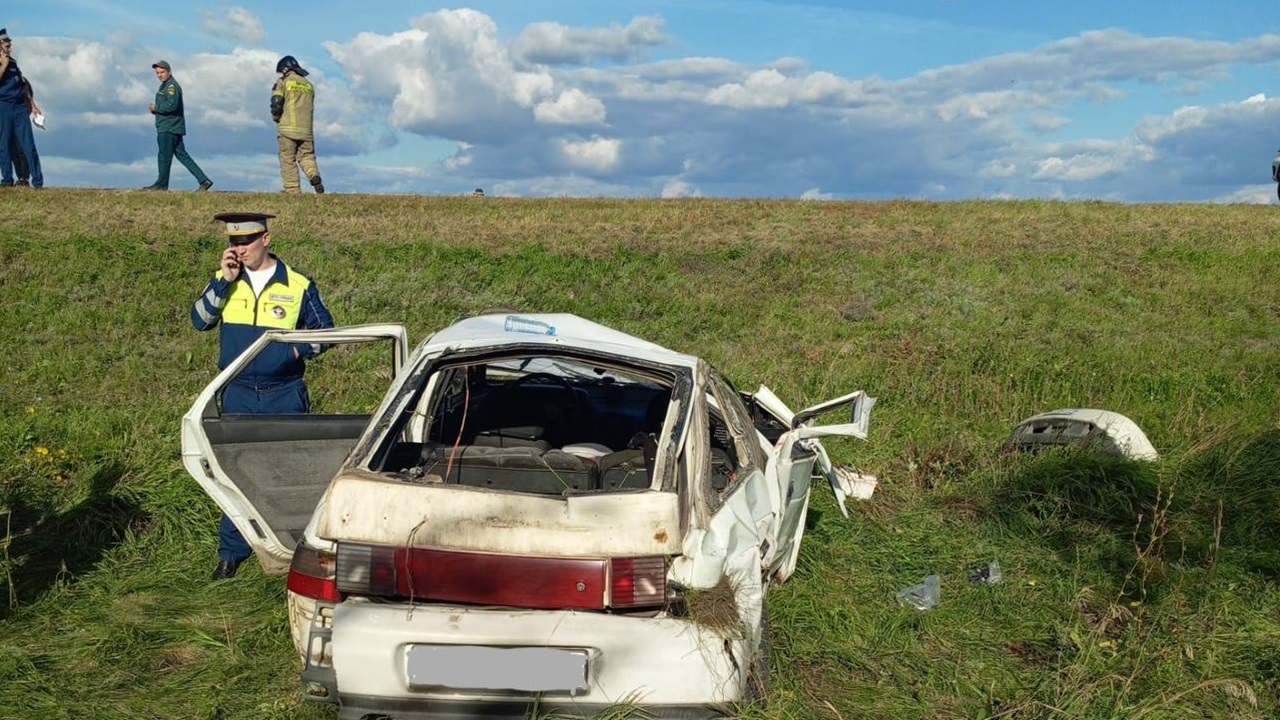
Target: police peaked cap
<point x="244" y="223"/>
<point x="289" y="62"/>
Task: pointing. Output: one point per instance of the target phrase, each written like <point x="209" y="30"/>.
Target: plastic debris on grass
<point x="923" y="596"/>
<point x="989" y="575"/>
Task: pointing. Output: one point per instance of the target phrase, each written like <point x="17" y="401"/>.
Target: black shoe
<point x="154" y="187"/>
<point x="22" y="182"/>
<point x="318" y="185"/>
<point x="206" y="185"/>
<point x="226" y="569"/>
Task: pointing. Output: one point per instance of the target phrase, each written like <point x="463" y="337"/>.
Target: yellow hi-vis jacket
<point x="290" y="300"/>
<point x="294" y="99"/>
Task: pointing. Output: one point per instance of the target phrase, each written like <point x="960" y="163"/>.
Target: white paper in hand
<point x="38" y="120"/>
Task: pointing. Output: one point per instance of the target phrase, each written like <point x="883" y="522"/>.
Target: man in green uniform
<point x="292" y="109"/>
<point x="171" y="125"/>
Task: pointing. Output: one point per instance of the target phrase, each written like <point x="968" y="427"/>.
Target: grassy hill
<point x="1130" y="591"/>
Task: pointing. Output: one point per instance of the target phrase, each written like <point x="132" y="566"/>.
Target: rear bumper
<point x="358" y="707"/>
<point x="672" y="667"/>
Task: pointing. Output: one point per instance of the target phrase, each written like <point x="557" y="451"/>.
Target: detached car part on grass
<point x="528" y="519"/>
<point x="1086" y="428"/>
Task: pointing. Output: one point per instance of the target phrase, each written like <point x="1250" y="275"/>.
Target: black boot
<point x="318" y="185"/>
<point x="226" y="569"/>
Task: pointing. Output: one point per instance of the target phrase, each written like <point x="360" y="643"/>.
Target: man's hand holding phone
<point x="230" y="265"/>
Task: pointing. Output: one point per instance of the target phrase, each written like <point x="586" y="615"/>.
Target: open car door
<point x="797" y="451"/>
<point x="268" y="472"/>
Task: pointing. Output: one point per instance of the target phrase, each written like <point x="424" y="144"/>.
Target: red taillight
<point x="311" y="574"/>
<point x="637" y="582"/>
<point x="544" y="583"/>
<point x="366" y="569"/>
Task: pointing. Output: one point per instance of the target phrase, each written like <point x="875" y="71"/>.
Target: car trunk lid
<point x="368" y="508"/>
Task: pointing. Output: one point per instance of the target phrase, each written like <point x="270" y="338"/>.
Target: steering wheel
<point x="540" y="377"/>
<point x="572" y="399"/>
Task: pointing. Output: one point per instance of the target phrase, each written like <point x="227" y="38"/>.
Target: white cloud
<point x="998" y="169"/>
<point x="107" y="119"/>
<point x="1046" y="122"/>
<point x="234" y="23"/>
<point x="1259" y="98"/>
<point x="770" y="88"/>
<point x="597" y="154"/>
<point x="678" y="189"/>
<point x="572" y="107"/>
<point x="1251" y="195"/>
<point x="687" y="68"/>
<point x="1102" y="56"/>
<point x="460" y="159"/>
<point x="761" y="89"/>
<point x="449" y="76"/>
<point x="816" y="194"/>
<point x="1077" y="168"/>
<point x="561" y="186"/>
<point x="980" y="105"/>
<point x="83" y="73"/>
<point x="552" y="43"/>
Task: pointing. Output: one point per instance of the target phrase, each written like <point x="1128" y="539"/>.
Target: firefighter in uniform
<point x="293" y="108"/>
<point x="255" y="291"/>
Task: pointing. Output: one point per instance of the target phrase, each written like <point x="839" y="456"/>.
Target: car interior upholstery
<point x="539" y="433"/>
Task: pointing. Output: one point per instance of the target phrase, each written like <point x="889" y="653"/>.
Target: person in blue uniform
<point x="254" y="291"/>
<point x="21" y="168"/>
<point x="15" y="118"/>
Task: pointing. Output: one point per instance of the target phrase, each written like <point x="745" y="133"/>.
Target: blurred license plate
<point x="470" y="667"/>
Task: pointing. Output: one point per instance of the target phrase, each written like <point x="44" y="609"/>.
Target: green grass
<point x="1130" y="591"/>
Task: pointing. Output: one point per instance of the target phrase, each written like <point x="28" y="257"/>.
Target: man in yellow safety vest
<point x="252" y="292"/>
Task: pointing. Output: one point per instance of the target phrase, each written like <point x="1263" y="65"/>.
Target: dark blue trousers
<point x="20" y="167"/>
<point x="15" y="128"/>
<point x="256" y="399"/>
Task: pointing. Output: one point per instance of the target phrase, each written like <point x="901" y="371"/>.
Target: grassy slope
<point x="1128" y="592"/>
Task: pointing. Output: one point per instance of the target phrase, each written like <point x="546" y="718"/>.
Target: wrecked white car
<point x="532" y="517"/>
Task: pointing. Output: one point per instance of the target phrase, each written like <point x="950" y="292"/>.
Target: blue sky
<point x="936" y="99"/>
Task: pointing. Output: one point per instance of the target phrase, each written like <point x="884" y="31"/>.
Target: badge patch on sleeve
<point x="171" y="90"/>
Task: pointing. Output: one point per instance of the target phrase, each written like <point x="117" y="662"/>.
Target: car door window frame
<point x="720" y="406"/>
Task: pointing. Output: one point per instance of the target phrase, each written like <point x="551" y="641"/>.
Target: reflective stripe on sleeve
<point x="212" y="298"/>
<point x="206" y="317"/>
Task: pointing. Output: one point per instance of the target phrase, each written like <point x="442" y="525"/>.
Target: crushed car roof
<point x="571" y="331"/>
